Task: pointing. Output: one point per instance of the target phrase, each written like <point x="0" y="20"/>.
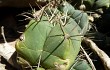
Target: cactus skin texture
<point x="54" y="47"/>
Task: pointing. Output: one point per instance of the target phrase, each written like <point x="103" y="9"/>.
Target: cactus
<point x="82" y="65"/>
<point x="96" y="4"/>
<point x="102" y="3"/>
<point x="80" y="17"/>
<point x="53" y="47"/>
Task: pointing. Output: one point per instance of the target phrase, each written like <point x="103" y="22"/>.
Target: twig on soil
<point x="88" y="58"/>
<point x="2" y="32"/>
<point x="103" y="56"/>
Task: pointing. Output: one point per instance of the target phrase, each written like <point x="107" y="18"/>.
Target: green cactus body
<point x="54" y="47"/>
<point x="79" y="17"/>
<point x="102" y="3"/>
<point x="96" y="4"/>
